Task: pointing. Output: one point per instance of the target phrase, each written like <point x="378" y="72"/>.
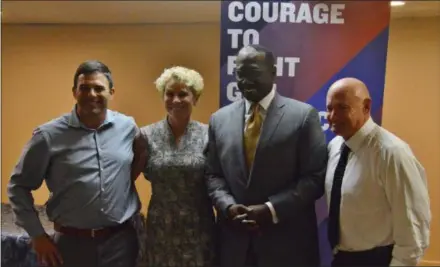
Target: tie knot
<point x="345" y="149"/>
<point x="255" y="107"/>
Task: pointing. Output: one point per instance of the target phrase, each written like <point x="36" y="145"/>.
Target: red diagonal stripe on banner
<point x="334" y="46"/>
<point x="324" y="49"/>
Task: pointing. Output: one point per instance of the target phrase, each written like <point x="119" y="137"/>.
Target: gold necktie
<point x="252" y="133"/>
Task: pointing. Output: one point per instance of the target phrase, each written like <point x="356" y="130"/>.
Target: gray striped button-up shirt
<point x="87" y="172"/>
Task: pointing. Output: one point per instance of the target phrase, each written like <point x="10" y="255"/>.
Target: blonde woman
<point x="180" y="220"/>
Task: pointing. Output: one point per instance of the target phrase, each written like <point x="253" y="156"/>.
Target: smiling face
<point x="348" y="107"/>
<point x="92" y="94"/>
<point x="255" y="76"/>
<point x="179" y="100"/>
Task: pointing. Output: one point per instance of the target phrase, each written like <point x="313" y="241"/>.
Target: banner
<point x="315" y="44"/>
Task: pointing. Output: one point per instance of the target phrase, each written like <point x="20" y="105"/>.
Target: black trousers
<point x="251" y="257"/>
<point x="379" y="256"/>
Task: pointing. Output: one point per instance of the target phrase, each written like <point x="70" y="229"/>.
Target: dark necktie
<point x="335" y="200"/>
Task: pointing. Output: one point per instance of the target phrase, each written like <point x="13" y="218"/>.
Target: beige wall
<point x="412" y="103"/>
<point x="38" y="63"/>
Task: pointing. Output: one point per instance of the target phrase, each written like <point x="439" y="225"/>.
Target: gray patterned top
<point x="180" y="222"/>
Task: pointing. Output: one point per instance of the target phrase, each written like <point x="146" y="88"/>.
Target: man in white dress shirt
<point x="377" y="191"/>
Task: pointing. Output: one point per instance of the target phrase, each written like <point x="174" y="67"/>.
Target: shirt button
<point x="102" y="189"/>
<point x="102" y="209"/>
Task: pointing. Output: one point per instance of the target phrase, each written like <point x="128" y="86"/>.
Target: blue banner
<point x="315" y="44"/>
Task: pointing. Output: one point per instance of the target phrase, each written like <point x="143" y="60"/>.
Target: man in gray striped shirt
<point x="89" y="159"/>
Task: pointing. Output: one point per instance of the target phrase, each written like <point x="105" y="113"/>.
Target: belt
<point x="382" y="249"/>
<point x="91" y="233"/>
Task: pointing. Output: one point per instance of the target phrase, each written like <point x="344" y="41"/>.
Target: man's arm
<point x="140" y="155"/>
<point x="28" y="175"/>
<point x="218" y="190"/>
<point x="312" y="156"/>
<point x="407" y="193"/>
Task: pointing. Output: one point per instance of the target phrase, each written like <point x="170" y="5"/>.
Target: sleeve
<point x="28" y="175"/>
<point x="144" y="135"/>
<point x="218" y="189"/>
<point x="312" y="152"/>
<point x="407" y="193"/>
<point x="140" y="154"/>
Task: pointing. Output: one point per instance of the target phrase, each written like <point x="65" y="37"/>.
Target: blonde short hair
<point x="191" y="78"/>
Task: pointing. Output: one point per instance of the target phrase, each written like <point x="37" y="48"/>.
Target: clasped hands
<point x="250" y="217"/>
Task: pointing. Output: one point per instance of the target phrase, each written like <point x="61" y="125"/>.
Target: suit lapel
<point x="270" y="124"/>
<point x="237" y="128"/>
<point x="273" y="117"/>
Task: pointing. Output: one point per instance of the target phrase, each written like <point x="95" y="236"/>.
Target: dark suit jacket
<point x="289" y="171"/>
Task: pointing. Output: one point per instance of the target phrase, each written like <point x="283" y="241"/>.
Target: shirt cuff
<point x="273" y="212"/>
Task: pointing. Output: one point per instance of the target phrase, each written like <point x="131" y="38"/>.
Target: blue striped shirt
<point x="87" y="172"/>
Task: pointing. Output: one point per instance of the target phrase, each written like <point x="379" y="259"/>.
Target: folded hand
<point x="260" y="214"/>
<point x="237" y="214"/>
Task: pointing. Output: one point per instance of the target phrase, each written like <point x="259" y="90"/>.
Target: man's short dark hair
<point x="269" y="58"/>
<point x="92" y="66"/>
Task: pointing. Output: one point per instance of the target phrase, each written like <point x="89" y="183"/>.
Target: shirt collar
<point x="264" y="103"/>
<point x="75" y="122"/>
<point x="355" y="142"/>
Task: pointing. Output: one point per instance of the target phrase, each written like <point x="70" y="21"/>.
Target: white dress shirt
<point x="264" y="103"/>
<point x="384" y="195"/>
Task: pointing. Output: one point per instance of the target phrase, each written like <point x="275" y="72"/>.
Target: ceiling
<point x="105" y="12"/>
